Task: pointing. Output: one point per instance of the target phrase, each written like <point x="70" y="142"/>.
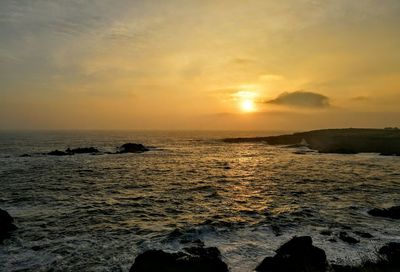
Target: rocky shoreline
<point x="385" y="142"/>
<point x="296" y="255"/>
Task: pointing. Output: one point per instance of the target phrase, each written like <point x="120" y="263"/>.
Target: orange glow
<point x="247" y="105"/>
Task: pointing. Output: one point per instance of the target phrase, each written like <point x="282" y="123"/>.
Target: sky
<point x="225" y="65"/>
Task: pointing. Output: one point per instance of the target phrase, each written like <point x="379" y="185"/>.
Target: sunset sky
<point x="235" y="65"/>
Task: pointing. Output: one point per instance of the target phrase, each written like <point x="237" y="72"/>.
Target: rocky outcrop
<point x="6" y="225"/>
<point x="132" y="148"/>
<point x="194" y="259"/>
<point x="79" y="150"/>
<point x="343" y="141"/>
<point x="83" y="150"/>
<point x="392" y="212"/>
<point x="299" y="255"/>
<point x="57" y="153"/>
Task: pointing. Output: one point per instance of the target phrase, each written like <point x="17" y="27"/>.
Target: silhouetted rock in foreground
<point x="68" y="151"/>
<point x="6" y="224"/>
<point x="132" y="148"/>
<point x="297" y="255"/>
<point x="393" y="212"/>
<point x="196" y="259"/>
<point x="343" y="141"/>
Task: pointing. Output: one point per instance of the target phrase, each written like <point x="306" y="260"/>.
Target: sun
<point x="247" y="105"/>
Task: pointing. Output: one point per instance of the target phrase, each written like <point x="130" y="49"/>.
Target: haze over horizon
<point x="230" y="65"/>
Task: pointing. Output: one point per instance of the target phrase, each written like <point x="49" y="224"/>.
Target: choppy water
<point x="96" y="213"/>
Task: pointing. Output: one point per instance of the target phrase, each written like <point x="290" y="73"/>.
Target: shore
<point x="342" y="141"/>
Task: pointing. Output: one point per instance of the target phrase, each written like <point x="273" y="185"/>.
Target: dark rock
<point x="339" y="151"/>
<point x="390" y="153"/>
<point x="6" y="225"/>
<point x="346" y="227"/>
<point x="391" y="252"/>
<point x="79" y="150"/>
<point x="326" y="232"/>
<point x="132" y="148"/>
<point x="348" y="239"/>
<point x="364" y="234"/>
<point x="25" y="155"/>
<point x="197" y="259"/>
<point x="58" y="153"/>
<point x="175" y="234"/>
<point x="276" y="230"/>
<point x="297" y="255"/>
<point x="392" y="212"/>
<point x="344" y="268"/>
<point x="82" y="150"/>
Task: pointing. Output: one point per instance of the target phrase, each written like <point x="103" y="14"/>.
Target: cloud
<point x="301" y="99"/>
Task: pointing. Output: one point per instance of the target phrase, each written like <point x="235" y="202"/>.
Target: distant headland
<point x="343" y="141"/>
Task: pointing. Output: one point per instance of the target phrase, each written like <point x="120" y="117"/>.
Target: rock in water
<point x="391" y="252"/>
<point x="58" y="153"/>
<point x="393" y="212"/>
<point x="83" y="150"/>
<point x="297" y="255"/>
<point x="6" y="224"/>
<point x="344" y="236"/>
<point x="79" y="150"/>
<point x="197" y="259"/>
<point x="132" y="148"/>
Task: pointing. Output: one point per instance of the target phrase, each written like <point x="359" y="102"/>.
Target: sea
<point x="98" y="212"/>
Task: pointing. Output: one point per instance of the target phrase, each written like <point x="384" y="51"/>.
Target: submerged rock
<point x="393" y="212"/>
<point x="363" y="234"/>
<point x="6" y="224"/>
<point x="326" y="232"/>
<point x="195" y="259"/>
<point x="299" y="255"/>
<point x="132" y="148"/>
<point x="344" y="236"/>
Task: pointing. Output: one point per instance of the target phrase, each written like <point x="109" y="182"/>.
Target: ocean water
<point x="97" y="212"/>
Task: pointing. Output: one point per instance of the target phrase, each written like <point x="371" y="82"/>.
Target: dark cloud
<point x="301" y="99"/>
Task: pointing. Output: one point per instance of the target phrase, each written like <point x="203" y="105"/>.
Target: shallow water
<point x="96" y="213"/>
